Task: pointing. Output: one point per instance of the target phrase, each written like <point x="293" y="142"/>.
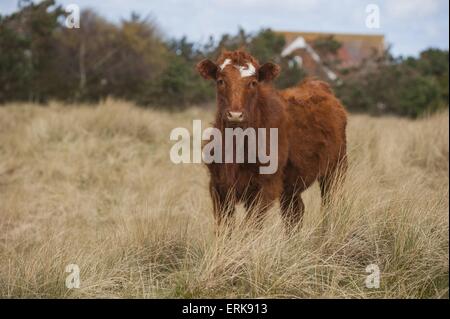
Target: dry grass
<point x="94" y="186"/>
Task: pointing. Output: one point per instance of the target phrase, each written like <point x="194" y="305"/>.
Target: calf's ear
<point x="207" y="69"/>
<point x="268" y="71"/>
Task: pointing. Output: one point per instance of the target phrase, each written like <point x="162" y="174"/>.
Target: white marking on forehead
<point x="245" y="71"/>
<point x="224" y="64"/>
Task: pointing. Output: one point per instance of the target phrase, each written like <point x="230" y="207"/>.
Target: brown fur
<point x="311" y="126"/>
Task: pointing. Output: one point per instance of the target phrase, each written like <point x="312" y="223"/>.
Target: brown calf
<point x="311" y="126"/>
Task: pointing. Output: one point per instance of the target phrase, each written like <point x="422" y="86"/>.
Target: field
<point x="94" y="186"/>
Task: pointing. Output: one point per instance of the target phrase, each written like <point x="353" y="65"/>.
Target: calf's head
<point x="238" y="77"/>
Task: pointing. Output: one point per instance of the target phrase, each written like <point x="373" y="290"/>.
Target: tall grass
<point x="94" y="186"/>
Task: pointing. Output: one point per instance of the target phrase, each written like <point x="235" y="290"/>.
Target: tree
<point x="407" y="87"/>
<point x="15" y="64"/>
<point x="327" y="47"/>
<point x="28" y="50"/>
<point x="110" y="59"/>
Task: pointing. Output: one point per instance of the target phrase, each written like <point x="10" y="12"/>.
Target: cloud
<point x="8" y="6"/>
<point x="304" y="5"/>
<point x="410" y="9"/>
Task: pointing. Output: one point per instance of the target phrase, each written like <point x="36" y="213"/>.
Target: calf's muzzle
<point x="235" y="117"/>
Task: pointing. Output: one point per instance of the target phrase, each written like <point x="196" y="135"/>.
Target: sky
<point x="408" y="25"/>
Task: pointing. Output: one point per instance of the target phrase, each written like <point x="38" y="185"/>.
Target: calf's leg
<point x="259" y="199"/>
<point x="292" y="207"/>
<point x="333" y="179"/>
<point x="224" y="204"/>
<point x="256" y="207"/>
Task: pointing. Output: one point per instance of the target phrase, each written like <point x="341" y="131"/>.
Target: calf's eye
<point x="220" y="82"/>
<point x="253" y="84"/>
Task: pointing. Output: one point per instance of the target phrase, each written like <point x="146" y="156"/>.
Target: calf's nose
<point x="235" y="116"/>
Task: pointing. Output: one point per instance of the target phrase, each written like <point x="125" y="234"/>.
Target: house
<point x="302" y="48"/>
